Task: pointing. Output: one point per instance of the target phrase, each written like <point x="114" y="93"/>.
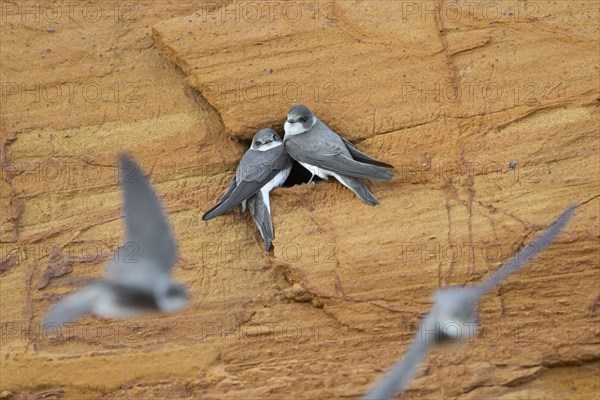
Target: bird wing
<point x="74" y="306"/>
<point x="362" y="157"/>
<point x="401" y="374"/>
<point x="329" y="155"/>
<point x="255" y="170"/>
<point x="148" y="231"/>
<point x="230" y="189"/>
<point x="527" y="252"/>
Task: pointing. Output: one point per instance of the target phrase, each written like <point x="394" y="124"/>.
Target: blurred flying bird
<point x="138" y="279"/>
<point x="453" y="312"/>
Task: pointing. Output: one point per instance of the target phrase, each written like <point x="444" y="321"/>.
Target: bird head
<point x="299" y="120"/>
<point x="265" y="139"/>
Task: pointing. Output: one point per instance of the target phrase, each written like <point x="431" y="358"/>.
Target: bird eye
<point x="303" y="119"/>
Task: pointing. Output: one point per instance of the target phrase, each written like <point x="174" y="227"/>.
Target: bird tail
<point x="359" y="188"/>
<point x="262" y="218"/>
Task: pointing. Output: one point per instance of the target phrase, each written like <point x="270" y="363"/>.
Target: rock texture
<point x="488" y="110"/>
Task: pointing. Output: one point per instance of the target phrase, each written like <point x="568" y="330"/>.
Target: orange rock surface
<point x="488" y="110"/>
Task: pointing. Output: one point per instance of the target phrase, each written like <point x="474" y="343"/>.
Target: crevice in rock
<point x="572" y="363"/>
<point x="525" y="224"/>
<point x="594" y="305"/>
<point x="315" y="297"/>
<point x="442" y="34"/>
<point x="472" y="47"/>
<point x="588" y="200"/>
<point x="14" y="200"/>
<point x="451" y="193"/>
<point x="449" y="236"/>
<point x="469" y="204"/>
<point x="185" y="71"/>
<point x="298" y="176"/>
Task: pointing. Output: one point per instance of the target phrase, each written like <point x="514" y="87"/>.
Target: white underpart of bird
<point x="278" y="180"/>
<point x="453" y="316"/>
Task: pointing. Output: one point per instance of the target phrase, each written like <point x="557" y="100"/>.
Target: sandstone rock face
<point x="488" y="110"/>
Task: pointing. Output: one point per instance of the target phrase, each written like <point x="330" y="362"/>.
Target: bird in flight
<point x="454" y="312"/>
<point x="138" y="279"/>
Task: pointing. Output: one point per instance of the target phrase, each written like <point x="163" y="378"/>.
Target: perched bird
<point x="324" y="153"/>
<point x="265" y="166"/>
<point x="453" y="316"/>
<point x="138" y="279"/>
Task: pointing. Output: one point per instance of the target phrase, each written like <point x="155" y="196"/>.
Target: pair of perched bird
<point x="144" y="284"/>
<point x="267" y="164"/>
<point x="141" y="285"/>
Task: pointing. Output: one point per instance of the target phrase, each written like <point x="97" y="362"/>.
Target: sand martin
<point x="265" y="166"/>
<point x="138" y="279"/>
<point x="453" y="316"/>
<point x="324" y="153"/>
